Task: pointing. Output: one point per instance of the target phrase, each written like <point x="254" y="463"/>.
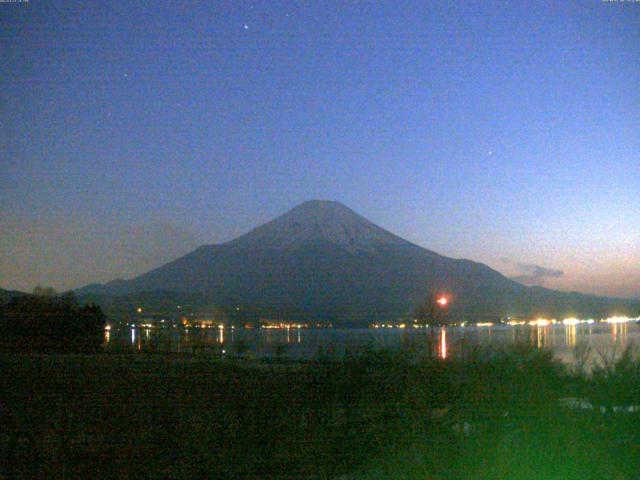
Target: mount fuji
<point x="327" y="262"/>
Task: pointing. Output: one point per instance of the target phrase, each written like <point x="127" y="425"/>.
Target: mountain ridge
<point x="324" y="259"/>
<point x="6" y="295"/>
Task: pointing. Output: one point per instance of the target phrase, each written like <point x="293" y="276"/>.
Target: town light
<point x="571" y="321"/>
<point x="540" y="322"/>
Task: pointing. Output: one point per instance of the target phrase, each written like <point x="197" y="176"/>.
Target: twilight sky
<point x="504" y="132"/>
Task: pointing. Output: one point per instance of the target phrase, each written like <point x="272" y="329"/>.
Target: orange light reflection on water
<point x="619" y="333"/>
<point x="442" y="351"/>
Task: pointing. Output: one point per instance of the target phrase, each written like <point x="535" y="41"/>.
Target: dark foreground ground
<point x="486" y="415"/>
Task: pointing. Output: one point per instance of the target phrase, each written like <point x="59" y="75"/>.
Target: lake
<point x="607" y="339"/>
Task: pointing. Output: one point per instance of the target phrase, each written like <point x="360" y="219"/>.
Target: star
<point x="246" y="27"/>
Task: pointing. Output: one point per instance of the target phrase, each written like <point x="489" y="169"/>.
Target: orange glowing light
<point x="442" y="301"/>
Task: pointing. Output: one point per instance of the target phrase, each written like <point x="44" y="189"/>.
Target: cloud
<point x="531" y="274"/>
<point x="538" y="271"/>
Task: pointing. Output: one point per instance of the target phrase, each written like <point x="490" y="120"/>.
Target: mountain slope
<point x="6" y="295"/>
<point x="324" y="259"/>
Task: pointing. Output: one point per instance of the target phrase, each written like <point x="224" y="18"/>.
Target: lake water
<point x="302" y="343"/>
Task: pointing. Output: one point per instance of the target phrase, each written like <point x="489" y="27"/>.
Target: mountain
<point x="325" y="261"/>
<point x="6" y="295"/>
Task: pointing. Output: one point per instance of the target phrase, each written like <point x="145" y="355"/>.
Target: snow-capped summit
<point x="319" y="221"/>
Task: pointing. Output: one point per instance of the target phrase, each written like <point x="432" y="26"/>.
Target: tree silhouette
<point x="48" y="322"/>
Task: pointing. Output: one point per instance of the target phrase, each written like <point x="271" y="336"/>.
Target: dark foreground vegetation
<point x="511" y="414"/>
<point x="46" y="322"/>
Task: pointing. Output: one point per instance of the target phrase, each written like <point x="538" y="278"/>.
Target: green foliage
<point x="482" y="414"/>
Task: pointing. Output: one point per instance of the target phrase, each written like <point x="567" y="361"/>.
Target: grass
<point x="374" y="414"/>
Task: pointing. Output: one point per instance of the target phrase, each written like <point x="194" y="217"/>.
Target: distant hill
<point x="327" y="262"/>
<point x="6" y="295"/>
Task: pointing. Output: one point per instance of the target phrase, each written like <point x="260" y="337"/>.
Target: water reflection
<point x="570" y="335"/>
<point x="562" y="338"/>
<point x="619" y="333"/>
<point x="442" y="350"/>
<point x="540" y="337"/>
<point x="485" y="336"/>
